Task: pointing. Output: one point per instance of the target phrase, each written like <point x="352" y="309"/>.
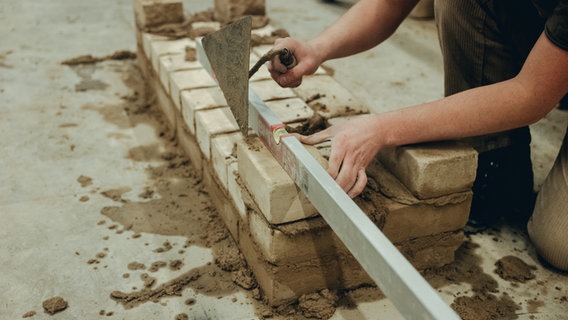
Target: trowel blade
<point x="228" y="51"/>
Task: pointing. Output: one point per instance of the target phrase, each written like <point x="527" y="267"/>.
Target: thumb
<point x="315" y="138"/>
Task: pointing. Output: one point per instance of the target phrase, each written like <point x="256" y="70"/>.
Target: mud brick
<point x="404" y="216"/>
<point x="151" y="13"/>
<point x="164" y="102"/>
<point x="209" y="123"/>
<point x="228" y="10"/>
<point x="271" y="188"/>
<point x="279" y="243"/>
<point x="432" y="170"/>
<point x="236" y="191"/>
<point x="188" y="79"/>
<point x="329" y="98"/>
<point x="174" y="62"/>
<point x="400" y="215"/>
<point x="167" y="47"/>
<point x="147" y="39"/>
<point x="290" y="110"/>
<point x="199" y="99"/>
<point x="188" y="144"/>
<point x="268" y="90"/>
<point x="223" y="153"/>
<point x="338" y="270"/>
<point x="219" y="198"/>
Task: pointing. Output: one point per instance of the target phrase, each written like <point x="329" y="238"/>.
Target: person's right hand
<point x="307" y="62"/>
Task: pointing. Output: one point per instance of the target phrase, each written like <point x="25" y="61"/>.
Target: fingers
<point x="359" y="185"/>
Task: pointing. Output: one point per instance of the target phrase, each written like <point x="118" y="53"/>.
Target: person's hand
<point x="307" y="62"/>
<point x="354" y="145"/>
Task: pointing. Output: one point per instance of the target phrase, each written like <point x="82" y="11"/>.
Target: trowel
<point x="228" y="52"/>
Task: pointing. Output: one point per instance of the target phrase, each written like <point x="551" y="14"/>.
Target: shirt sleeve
<point x="556" y="28"/>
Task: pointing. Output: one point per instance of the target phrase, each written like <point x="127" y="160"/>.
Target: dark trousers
<point x="484" y="42"/>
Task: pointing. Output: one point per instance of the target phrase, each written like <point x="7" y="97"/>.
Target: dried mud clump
<point x="319" y="305"/>
<point x="511" y="268"/>
<point x="312" y="125"/>
<point x="89" y="59"/>
<point x="54" y="305"/>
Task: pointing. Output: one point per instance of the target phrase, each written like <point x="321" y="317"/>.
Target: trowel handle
<point x="287" y="58"/>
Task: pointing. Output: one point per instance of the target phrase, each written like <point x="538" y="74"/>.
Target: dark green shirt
<point x="556" y="27"/>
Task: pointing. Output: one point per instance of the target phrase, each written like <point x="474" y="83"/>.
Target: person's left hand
<point x="354" y="145"/>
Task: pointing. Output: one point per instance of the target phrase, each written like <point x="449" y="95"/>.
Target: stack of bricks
<point x="418" y="195"/>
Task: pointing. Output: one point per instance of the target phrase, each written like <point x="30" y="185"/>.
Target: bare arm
<point x="365" y="25"/>
<point x="520" y="101"/>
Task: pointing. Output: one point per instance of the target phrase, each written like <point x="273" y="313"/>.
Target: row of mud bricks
<point x="419" y="196"/>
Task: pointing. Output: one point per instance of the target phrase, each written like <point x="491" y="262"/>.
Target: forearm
<point x="499" y="107"/>
<point x="517" y="102"/>
<point x="365" y="25"/>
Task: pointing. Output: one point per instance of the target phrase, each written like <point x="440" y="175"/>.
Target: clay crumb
<point x="85" y="181"/>
<point x="319" y="305"/>
<point x="190" y="54"/>
<point x="29" y="314"/>
<point x="513" y="269"/>
<point x="181" y="316"/>
<point x="136" y="266"/>
<point x="54" y="305"/>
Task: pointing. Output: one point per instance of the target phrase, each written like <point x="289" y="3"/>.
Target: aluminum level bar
<point x="398" y="279"/>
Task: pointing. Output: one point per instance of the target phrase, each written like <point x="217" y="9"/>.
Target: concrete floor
<point x="52" y="134"/>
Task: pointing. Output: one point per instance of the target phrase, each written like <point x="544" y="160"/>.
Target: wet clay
<point x="511" y="268"/>
<point x="54" y="305"/>
<point x="89" y="59"/>
<point x="319" y="305"/>
<point x="484" y="303"/>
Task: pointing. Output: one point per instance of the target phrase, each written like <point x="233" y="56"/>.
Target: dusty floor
<point x="100" y="208"/>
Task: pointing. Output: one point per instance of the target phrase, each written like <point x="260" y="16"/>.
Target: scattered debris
<point x="511" y="268"/>
<point x="89" y="59"/>
<point x="54" y="305"/>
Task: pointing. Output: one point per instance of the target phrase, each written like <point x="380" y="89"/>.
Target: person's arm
<point x="363" y="26"/>
<point x="517" y="102"/>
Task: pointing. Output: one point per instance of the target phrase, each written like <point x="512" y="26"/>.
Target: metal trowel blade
<point x="228" y="51"/>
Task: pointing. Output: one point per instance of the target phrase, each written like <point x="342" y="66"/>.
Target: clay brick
<point x="190" y="147"/>
<point x="236" y="191"/>
<point x="290" y="110"/>
<point x="400" y="221"/>
<point x="328" y="97"/>
<point x="273" y="191"/>
<point x="199" y="99"/>
<point x="174" y="62"/>
<point x="268" y="90"/>
<point x="160" y="48"/>
<point x="147" y="39"/>
<point x="280" y="283"/>
<point x="227" y="212"/>
<point x="186" y="80"/>
<point x="228" y="10"/>
<point x="151" y="13"/>
<point x="432" y="170"/>
<point x="209" y="123"/>
<point x="280" y="246"/>
<point x="164" y="102"/>
<point x="223" y="153"/>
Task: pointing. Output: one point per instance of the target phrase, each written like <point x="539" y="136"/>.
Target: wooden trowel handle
<point x="285" y="56"/>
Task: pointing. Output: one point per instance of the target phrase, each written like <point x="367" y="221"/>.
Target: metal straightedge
<point x="397" y="278"/>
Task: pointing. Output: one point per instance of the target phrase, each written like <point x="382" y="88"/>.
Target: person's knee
<point x="549" y="239"/>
